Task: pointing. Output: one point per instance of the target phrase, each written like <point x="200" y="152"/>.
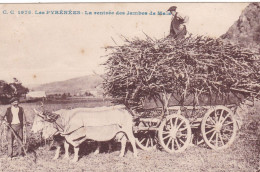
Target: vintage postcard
<point x="130" y="87"/>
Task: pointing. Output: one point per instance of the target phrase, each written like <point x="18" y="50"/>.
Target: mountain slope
<point x="246" y="30"/>
<point x="73" y="86"/>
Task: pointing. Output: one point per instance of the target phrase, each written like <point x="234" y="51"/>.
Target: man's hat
<point x="172" y="8"/>
<point x="14" y="99"/>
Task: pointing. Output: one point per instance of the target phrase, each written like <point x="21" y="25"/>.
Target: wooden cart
<point x="174" y="131"/>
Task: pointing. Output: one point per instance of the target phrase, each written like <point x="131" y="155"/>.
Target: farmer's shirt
<point x="15" y="111"/>
<point x="177" y="20"/>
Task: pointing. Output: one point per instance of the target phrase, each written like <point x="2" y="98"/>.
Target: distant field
<point x="54" y="105"/>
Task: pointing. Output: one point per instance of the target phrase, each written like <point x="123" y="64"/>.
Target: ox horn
<point x="38" y="113"/>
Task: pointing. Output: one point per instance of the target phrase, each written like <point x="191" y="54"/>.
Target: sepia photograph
<point x="123" y="87"/>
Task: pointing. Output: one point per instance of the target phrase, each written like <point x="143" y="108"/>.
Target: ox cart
<point x="174" y="132"/>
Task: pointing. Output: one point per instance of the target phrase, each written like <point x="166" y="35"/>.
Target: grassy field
<point x="243" y="155"/>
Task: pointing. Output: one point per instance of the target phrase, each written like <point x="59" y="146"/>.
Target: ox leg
<point x="66" y="147"/>
<point x="98" y="148"/>
<point x="131" y="138"/>
<point x="76" y="154"/>
<point x="123" y="144"/>
<point x="57" y="153"/>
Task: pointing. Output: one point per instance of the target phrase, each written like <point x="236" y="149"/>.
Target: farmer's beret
<point x="172" y="8"/>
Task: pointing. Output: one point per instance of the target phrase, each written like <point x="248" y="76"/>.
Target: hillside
<point x="246" y="30"/>
<point x="73" y="86"/>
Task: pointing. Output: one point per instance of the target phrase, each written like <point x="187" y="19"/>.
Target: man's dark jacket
<point x="9" y="115"/>
<point x="175" y="25"/>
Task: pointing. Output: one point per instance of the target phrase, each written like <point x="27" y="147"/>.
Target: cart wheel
<point x="146" y="139"/>
<point x="219" y="127"/>
<point x="175" y="133"/>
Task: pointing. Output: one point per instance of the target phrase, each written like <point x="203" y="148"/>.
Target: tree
<point x="9" y="90"/>
<point x="88" y="94"/>
<point x="63" y="96"/>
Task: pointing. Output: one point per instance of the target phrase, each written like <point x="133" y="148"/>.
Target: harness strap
<point x="59" y="126"/>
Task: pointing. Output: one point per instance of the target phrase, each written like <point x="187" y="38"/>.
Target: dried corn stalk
<point x="194" y="66"/>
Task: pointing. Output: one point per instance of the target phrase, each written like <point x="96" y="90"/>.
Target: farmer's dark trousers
<point x="10" y="138"/>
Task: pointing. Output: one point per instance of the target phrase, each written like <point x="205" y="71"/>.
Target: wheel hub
<point x="218" y="127"/>
<point x="173" y="133"/>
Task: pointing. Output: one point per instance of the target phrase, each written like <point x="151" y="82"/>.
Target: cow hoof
<point x="121" y="155"/>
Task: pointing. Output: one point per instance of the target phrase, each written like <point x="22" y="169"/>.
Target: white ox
<point x="80" y="124"/>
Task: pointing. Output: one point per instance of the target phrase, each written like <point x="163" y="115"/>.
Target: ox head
<point x="42" y="124"/>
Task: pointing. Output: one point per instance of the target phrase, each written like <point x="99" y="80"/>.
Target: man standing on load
<point x="178" y="29"/>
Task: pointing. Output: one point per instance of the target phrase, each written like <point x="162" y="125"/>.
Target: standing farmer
<point x="178" y="29"/>
<point x="16" y="120"/>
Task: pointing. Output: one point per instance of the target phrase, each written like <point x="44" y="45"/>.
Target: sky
<point x="43" y="48"/>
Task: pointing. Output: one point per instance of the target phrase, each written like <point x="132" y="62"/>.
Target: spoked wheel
<point x="219" y="127"/>
<point x="146" y="139"/>
<point x="175" y="133"/>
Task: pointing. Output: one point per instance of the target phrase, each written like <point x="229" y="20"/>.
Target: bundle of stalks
<point x="195" y="66"/>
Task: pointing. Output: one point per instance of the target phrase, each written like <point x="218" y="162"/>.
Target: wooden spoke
<point x="151" y="140"/>
<point x="215" y="114"/>
<point x="221" y="139"/>
<point x="142" y="140"/>
<point x="147" y="143"/>
<point x="228" y="123"/>
<point x="212" y="136"/>
<point x="166" y="137"/>
<point x="216" y="139"/>
<point x="166" y="132"/>
<point x="171" y="123"/>
<point x="210" y="118"/>
<point x="182" y="129"/>
<point x="168" y="141"/>
<point x="183" y="135"/>
<point x="177" y="143"/>
<point x="225" y="118"/>
<point x="180" y="124"/>
<point x="222" y="111"/>
<point x="209" y="125"/>
<point x="173" y="144"/>
<point x="213" y="129"/>
<point x="181" y="141"/>
<point x="175" y="123"/>
<point x="227" y="138"/>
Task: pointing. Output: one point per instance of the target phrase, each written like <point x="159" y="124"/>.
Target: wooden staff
<point x="20" y="141"/>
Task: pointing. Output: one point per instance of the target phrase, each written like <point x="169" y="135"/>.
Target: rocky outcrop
<point x="246" y="30"/>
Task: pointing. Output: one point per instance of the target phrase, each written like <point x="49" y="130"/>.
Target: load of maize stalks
<point x="196" y="66"/>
